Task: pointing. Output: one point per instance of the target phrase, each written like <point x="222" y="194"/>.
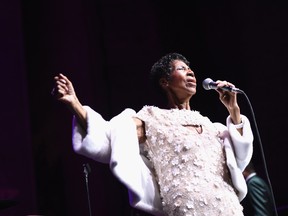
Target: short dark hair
<point x="163" y="68"/>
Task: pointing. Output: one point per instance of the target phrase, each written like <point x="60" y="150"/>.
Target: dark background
<point x="107" y="49"/>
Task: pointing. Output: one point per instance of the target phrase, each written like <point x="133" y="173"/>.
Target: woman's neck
<point x="185" y="105"/>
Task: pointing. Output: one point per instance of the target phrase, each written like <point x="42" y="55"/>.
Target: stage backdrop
<point x="107" y="49"/>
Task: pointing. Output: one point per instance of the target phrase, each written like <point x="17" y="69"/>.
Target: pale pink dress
<point x="190" y="164"/>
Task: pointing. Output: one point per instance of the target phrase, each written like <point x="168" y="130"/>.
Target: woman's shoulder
<point x="220" y="126"/>
<point x="148" y="110"/>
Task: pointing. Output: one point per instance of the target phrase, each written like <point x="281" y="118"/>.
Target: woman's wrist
<point x="240" y="125"/>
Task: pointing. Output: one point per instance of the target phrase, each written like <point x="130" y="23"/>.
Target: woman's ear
<point x="163" y="82"/>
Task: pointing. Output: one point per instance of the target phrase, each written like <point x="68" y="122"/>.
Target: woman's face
<point x="182" y="82"/>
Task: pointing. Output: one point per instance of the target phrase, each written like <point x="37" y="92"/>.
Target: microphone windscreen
<point x="207" y="83"/>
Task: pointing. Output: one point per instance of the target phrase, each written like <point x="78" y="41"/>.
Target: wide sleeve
<point x="116" y="142"/>
<point x="242" y="144"/>
<point x="129" y="167"/>
<point x="95" y="143"/>
<point x="238" y="151"/>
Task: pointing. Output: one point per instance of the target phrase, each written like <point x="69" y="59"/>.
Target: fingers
<point x="61" y="85"/>
<point x="224" y="83"/>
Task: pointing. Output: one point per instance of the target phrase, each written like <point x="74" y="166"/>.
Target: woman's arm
<point x="91" y="133"/>
<point x="229" y="99"/>
<point x="64" y="92"/>
<point x="140" y="127"/>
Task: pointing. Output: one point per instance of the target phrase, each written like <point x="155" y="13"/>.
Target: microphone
<point x="210" y="84"/>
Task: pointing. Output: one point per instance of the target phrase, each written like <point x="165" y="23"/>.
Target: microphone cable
<point x="210" y="84"/>
<point x="262" y="152"/>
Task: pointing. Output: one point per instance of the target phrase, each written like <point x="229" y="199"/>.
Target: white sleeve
<point x="128" y="165"/>
<point x="116" y="142"/>
<point x="238" y="150"/>
<point x="242" y="144"/>
<point x="95" y="143"/>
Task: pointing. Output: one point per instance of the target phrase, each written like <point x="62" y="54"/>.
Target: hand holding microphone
<point x="225" y="90"/>
<point x="210" y="84"/>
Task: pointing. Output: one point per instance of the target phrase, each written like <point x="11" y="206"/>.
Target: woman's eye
<point x="183" y="68"/>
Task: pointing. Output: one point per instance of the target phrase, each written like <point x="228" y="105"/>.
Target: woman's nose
<point x="190" y="72"/>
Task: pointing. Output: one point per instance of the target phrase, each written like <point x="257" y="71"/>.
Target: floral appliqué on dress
<point x="190" y="166"/>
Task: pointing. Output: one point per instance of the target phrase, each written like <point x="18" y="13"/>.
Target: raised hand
<point x="63" y="89"/>
<point x="64" y="92"/>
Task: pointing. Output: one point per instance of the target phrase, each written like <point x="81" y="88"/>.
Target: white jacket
<point x="115" y="142"/>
